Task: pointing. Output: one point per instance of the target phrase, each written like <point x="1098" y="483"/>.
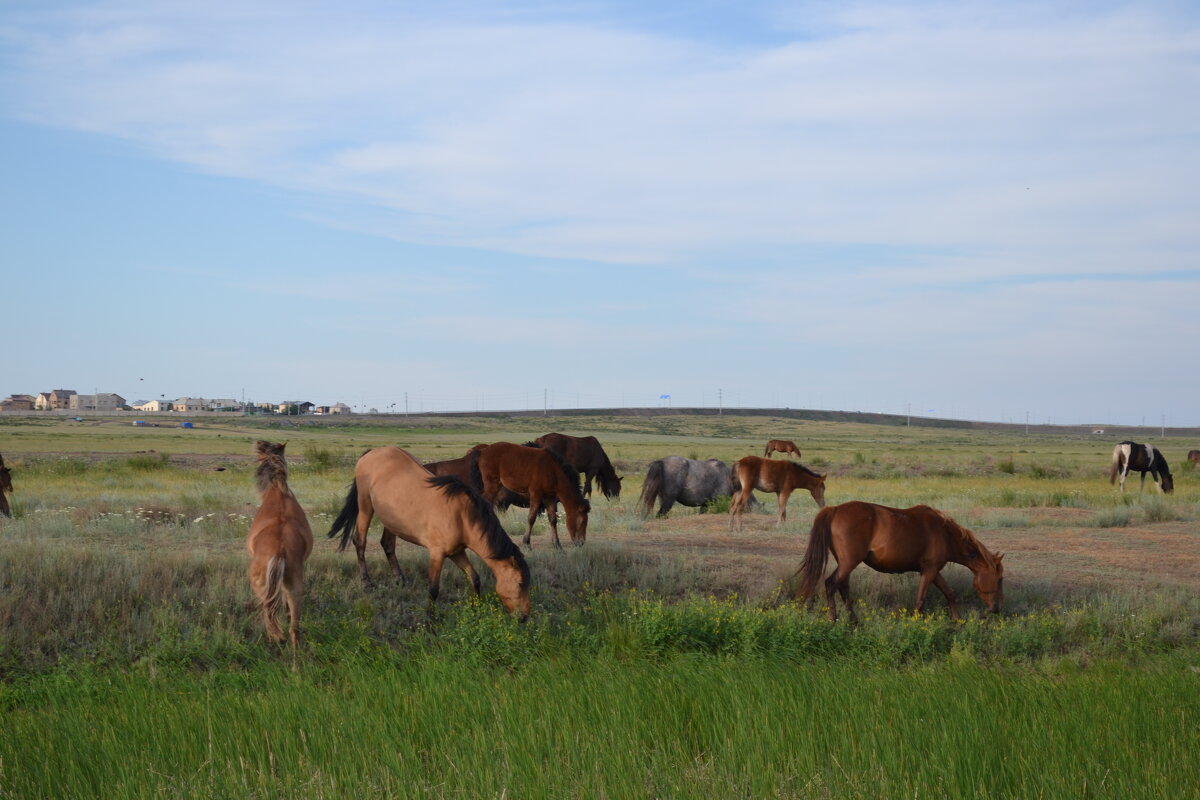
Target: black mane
<point x="499" y="542"/>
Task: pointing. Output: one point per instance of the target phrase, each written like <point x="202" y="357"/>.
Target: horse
<point x="537" y="474"/>
<point x="675" y="479"/>
<point x="785" y="446"/>
<point x="5" y="486"/>
<point x="279" y="542"/>
<point x="1194" y="456"/>
<point x="1142" y="458"/>
<point x="439" y="512"/>
<point x="782" y="477"/>
<point x="461" y="469"/>
<point x="918" y="539"/>
<point x="585" y="454"/>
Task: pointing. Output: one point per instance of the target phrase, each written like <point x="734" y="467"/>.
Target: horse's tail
<point x="346" y="518"/>
<point x="276" y="569"/>
<point x="817" y="552"/>
<point x="473" y="471"/>
<point x="653" y="487"/>
<point x="1116" y="465"/>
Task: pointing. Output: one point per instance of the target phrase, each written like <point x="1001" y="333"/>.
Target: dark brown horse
<point x="781" y="477"/>
<point x="918" y="539"/>
<point x="438" y="512"/>
<point x="785" y="446"/>
<point x="5" y="486"/>
<point x="585" y="454"/>
<point x="541" y="476"/>
<point x="279" y="543"/>
<point x="1194" y="456"/>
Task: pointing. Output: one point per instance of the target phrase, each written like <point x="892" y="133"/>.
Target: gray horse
<point x="676" y="479"/>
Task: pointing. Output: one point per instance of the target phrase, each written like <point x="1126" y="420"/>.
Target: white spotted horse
<point x="1133" y="457"/>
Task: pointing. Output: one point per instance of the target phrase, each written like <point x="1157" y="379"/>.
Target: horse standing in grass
<point x="279" y="543"/>
<point x="5" y="486"/>
<point x="692" y="483"/>
<point x="782" y="477"/>
<point x="1143" y="458"/>
<point x="1194" y="456"/>
<point x="461" y="469"/>
<point x="438" y="512"/>
<point x="539" y="475"/>
<point x="785" y="446"/>
<point x="585" y="454"/>
<point x="918" y="539"/>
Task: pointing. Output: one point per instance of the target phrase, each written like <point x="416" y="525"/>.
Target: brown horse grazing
<point x="279" y="543"/>
<point x="5" y="486"/>
<point x="540" y="475"/>
<point x="1193" y="456"/>
<point x="785" y="446"/>
<point x="585" y="454"/>
<point x="782" y="477"/>
<point x="918" y="539"/>
<point x="461" y="469"/>
<point x="440" y="513"/>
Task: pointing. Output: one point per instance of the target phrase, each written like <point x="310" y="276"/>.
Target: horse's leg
<point x="388" y="542"/>
<point x="552" y="518"/>
<point x="587" y="484"/>
<point x="365" y="512"/>
<point x="666" y="499"/>
<point x="535" y="502"/>
<point x="293" y="587"/>
<point x="784" y="494"/>
<point x="1142" y="487"/>
<point x="436" y="558"/>
<point x="737" y="506"/>
<point x="830" y="588"/>
<point x="462" y="562"/>
<point x="940" y="582"/>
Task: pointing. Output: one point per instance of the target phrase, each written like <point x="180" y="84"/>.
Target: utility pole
<point x="545" y="401"/>
<point x="406" y="404"/>
<point x="720" y="403"/>
<point x="1026" y="423"/>
<point x="1164" y="426"/>
<point x="908" y="415"/>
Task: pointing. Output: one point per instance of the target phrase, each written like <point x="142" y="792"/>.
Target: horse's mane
<point x="571" y="473"/>
<point x="800" y="468"/>
<point x="272" y="467"/>
<point x="499" y="543"/>
<point x="965" y="536"/>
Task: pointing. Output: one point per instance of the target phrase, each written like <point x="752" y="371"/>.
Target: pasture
<point x="662" y="659"/>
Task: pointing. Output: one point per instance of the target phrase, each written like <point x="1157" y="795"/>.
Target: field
<point x="663" y="659"/>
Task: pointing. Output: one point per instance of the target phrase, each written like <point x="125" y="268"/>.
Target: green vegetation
<point x="132" y="662"/>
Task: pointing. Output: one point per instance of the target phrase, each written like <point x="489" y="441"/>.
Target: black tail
<point x="347" y="519"/>
<point x="816" y="554"/>
<point x="652" y="488"/>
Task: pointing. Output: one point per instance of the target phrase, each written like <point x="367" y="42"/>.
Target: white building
<point x="105" y="401"/>
<point x="189" y="405"/>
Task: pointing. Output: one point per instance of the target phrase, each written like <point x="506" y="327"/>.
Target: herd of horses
<point x="449" y="507"/>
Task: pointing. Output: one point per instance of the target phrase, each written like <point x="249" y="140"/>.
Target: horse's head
<point x="989" y="580"/>
<point x="5" y="480"/>
<point x="512" y="585"/>
<point x="1168" y="484"/>
<point x="577" y="522"/>
<point x="818" y="491"/>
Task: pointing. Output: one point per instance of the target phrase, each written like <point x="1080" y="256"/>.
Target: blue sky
<point x="976" y="210"/>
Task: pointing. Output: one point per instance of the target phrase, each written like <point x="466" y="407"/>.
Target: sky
<point x="977" y="210"/>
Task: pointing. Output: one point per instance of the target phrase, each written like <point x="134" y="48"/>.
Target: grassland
<point x="661" y="660"/>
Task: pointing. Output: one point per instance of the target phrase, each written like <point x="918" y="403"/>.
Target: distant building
<point x="152" y="405"/>
<point x="17" y="402"/>
<point x="189" y="405"/>
<point x="294" y="407"/>
<point x="224" y="404"/>
<point x="336" y="408"/>
<point x="60" y="398"/>
<point x="105" y="401"/>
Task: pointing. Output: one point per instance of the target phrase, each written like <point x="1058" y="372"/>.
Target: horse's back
<point x="888" y="539"/>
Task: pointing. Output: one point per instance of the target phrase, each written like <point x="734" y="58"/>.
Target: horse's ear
<point x="999" y="557"/>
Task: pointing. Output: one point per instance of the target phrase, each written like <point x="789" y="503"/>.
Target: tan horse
<point x="538" y="474"/>
<point x="440" y="513"/>
<point x="785" y="446"/>
<point x="781" y="477"/>
<point x="5" y="486"/>
<point x="279" y="543"/>
<point x="918" y="539"/>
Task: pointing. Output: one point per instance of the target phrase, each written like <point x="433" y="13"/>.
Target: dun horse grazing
<point x="1143" y="458"/>
<point x="675" y="479"/>
<point x="5" y="486"/>
<point x="918" y="539"/>
<point x="782" y="477"/>
<point x="585" y="454"/>
<point x="784" y="446"/>
<point x="438" y="512"/>
<point x="541" y="476"/>
<point x="279" y="543"/>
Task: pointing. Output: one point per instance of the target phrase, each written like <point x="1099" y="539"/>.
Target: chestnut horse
<point x="438" y="512"/>
<point x="279" y="543"/>
<point x="918" y="539"/>
<point x="784" y="446"/>
<point x="782" y="477"/>
<point x="461" y="469"/>
<point x="585" y="454"/>
<point x="541" y="476"/>
<point x="5" y="486"/>
<point x="1193" y="456"/>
